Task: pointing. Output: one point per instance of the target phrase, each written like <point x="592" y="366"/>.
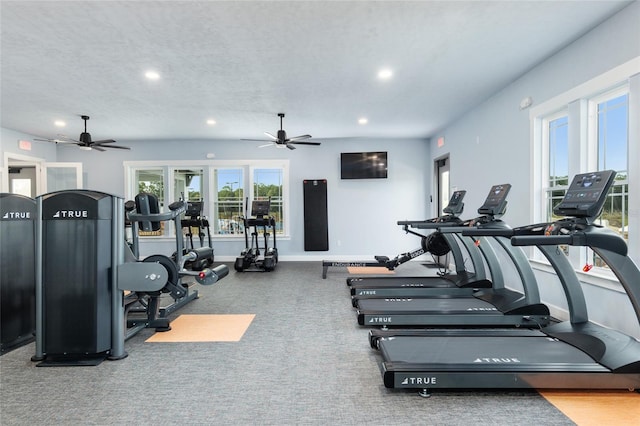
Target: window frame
<point x="208" y="188"/>
<point x="547" y="188"/>
<point x="581" y="103"/>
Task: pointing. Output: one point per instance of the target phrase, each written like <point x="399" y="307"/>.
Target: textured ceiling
<point x="242" y="62"/>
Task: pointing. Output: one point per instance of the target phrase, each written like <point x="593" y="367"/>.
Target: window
<point x="187" y="183"/>
<point x="229" y="202"/>
<point x="586" y="129"/>
<point x="557" y="138"/>
<point x="226" y="189"/>
<point x="267" y="185"/>
<point x="21" y="186"/>
<point x="612" y="141"/>
<point x="150" y="181"/>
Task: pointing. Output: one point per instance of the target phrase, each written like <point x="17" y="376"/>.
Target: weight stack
<point x="316" y="224"/>
<point x="17" y="271"/>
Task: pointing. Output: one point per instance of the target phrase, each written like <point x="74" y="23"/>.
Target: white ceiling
<point x="242" y="62"/>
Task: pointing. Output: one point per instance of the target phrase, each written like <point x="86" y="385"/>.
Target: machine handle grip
<point x="211" y="276"/>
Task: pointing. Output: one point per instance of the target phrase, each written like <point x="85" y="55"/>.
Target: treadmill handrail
<point x="440" y="221"/>
<point x="608" y="245"/>
<point x="482" y="232"/>
<point x="501" y="226"/>
<point x="544" y="240"/>
<point x="448" y="225"/>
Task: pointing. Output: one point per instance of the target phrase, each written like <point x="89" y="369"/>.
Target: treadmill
<point x="438" y="244"/>
<point x="496" y="306"/>
<point x="574" y="354"/>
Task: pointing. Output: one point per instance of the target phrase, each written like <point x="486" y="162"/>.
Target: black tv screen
<point x="363" y="165"/>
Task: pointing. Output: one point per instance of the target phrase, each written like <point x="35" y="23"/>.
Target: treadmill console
<point x="455" y="206"/>
<point x="496" y="202"/>
<point x="586" y="195"/>
<point x="581" y="205"/>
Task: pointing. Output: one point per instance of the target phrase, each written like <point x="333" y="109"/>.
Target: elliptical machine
<point x="250" y="258"/>
<point x="193" y="219"/>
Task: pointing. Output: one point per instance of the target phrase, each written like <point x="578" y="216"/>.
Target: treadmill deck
<point x="532" y="360"/>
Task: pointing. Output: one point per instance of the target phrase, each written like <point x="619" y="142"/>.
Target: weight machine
<point x="89" y="279"/>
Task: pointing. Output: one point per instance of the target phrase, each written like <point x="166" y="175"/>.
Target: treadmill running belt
<point x="440" y="305"/>
<point x="483" y="352"/>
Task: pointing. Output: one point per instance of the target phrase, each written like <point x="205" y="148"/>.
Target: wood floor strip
<point x="376" y="270"/>
<point x="597" y="408"/>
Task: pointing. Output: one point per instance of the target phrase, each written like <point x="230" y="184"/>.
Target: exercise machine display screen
<point x="194" y="208"/>
<point x="260" y="208"/>
<point x="586" y="194"/>
<point x="455" y="205"/>
<point x="496" y="202"/>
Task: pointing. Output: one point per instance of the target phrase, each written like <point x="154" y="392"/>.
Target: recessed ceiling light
<point x="59" y="123"/>
<point x="385" y="74"/>
<point x="211" y="122"/>
<point x="362" y="121"/>
<point x="152" y="75"/>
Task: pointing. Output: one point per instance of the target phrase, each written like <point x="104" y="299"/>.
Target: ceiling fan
<point x="282" y="141"/>
<point x="85" y="142"/>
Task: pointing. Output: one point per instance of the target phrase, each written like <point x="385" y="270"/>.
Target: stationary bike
<point x="252" y="258"/>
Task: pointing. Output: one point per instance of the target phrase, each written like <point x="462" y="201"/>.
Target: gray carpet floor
<point x="304" y="360"/>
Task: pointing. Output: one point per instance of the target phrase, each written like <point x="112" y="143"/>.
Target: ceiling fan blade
<point x="291" y="146"/>
<point x="103" y="141"/>
<point x="65" y="139"/>
<point x="271" y="136"/>
<point x="97" y="148"/>
<point x="110" y="146"/>
<point x="256" y="140"/>
<point x="265" y="145"/>
<point x="306" y="143"/>
<point x="55" y="141"/>
<point x="299" y="138"/>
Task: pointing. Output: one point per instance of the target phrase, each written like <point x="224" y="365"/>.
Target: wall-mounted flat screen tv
<point x="363" y="165"/>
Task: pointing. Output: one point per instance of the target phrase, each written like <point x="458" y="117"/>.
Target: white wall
<point x="362" y="213"/>
<point x="9" y="149"/>
<point x="9" y="145"/>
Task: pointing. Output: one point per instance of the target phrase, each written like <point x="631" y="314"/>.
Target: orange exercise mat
<point x="600" y="407"/>
<point x="205" y="328"/>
